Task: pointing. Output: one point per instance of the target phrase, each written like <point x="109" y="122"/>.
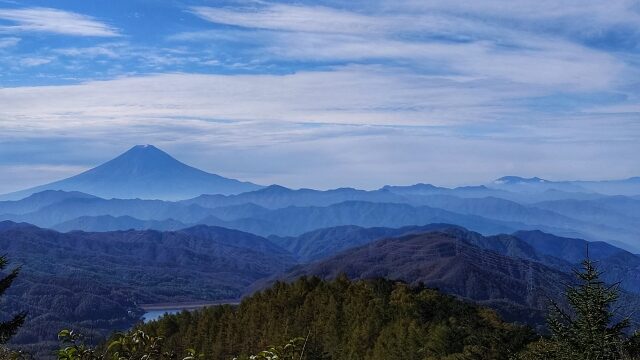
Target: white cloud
<point x="351" y="95"/>
<point x="8" y="42"/>
<point x="291" y="18"/>
<point x="433" y="36"/>
<point x="369" y="125"/>
<point x="453" y="92"/>
<point x="549" y="63"/>
<point x="104" y="50"/>
<point x="583" y="14"/>
<point x="38" y="19"/>
<point x="34" y="61"/>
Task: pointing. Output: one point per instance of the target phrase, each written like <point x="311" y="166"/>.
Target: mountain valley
<point x="94" y="252"/>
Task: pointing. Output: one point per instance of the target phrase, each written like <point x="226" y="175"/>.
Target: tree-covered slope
<point x="96" y="281"/>
<point x="321" y="243"/>
<point x="448" y="261"/>
<point x="620" y="266"/>
<point x="378" y="320"/>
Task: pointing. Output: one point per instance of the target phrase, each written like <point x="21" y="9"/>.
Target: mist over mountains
<point x="146" y="228"/>
<point x="145" y="188"/>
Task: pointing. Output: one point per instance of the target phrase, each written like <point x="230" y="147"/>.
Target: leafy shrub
<point x="135" y="345"/>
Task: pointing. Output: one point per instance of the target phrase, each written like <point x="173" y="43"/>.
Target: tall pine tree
<point x="9" y="328"/>
<point x="587" y="332"/>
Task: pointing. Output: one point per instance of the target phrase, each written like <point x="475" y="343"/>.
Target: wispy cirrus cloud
<point x="110" y="50"/>
<point x="389" y="124"/>
<point x="35" y="61"/>
<point x="478" y="41"/>
<point x="9" y="42"/>
<point x="49" y="20"/>
<point x="355" y="95"/>
<point x="567" y="15"/>
<point x="292" y="18"/>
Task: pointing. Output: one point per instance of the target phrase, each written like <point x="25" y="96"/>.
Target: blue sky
<point x="324" y="94"/>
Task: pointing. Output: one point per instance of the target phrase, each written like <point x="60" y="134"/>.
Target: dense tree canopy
<point x="376" y="319"/>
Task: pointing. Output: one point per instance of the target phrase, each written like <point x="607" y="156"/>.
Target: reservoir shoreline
<point x="156" y="311"/>
<point x="187" y="305"/>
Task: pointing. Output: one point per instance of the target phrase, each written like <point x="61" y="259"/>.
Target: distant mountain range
<point x="630" y="186"/>
<point x="144" y="172"/>
<point x="97" y="214"/>
<point x="276" y="210"/>
<point x="145" y="227"/>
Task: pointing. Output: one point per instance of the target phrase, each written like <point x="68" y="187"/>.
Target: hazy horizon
<point x="486" y="182"/>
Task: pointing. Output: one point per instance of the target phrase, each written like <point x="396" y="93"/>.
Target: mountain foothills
<point x="144" y="229"/>
<point x="100" y="282"/>
<point x="514" y="274"/>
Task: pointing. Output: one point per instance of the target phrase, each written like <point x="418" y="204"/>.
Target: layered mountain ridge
<point x="145" y="227"/>
<point x="276" y="210"/>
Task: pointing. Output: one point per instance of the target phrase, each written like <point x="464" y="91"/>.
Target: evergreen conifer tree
<point x="587" y="332"/>
<point x="9" y="328"/>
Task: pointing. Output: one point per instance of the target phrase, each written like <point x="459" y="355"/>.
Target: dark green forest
<point x="383" y="319"/>
<point x="377" y="319"/>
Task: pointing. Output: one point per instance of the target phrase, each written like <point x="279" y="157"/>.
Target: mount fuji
<point x="145" y="172"/>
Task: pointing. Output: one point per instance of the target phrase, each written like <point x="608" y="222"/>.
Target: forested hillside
<point x="378" y="320"/>
<point x="96" y="282"/>
<point x="447" y="260"/>
<point x="514" y="276"/>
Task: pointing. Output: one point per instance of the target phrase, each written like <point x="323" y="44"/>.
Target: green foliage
<point x="293" y="350"/>
<point x="377" y="319"/>
<point x="10" y="327"/>
<point x="587" y="332"/>
<point x="74" y="347"/>
<point x="9" y="354"/>
<point x="632" y="346"/>
<point x="135" y="345"/>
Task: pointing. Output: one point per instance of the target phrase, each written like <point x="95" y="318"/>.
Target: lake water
<point x="156" y="314"/>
